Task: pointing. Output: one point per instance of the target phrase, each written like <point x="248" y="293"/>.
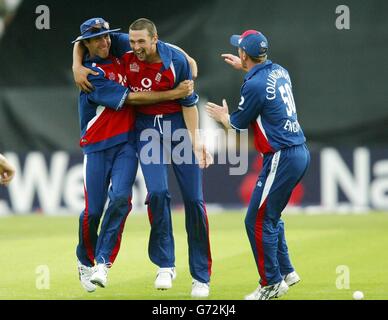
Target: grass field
<point x="318" y="245"/>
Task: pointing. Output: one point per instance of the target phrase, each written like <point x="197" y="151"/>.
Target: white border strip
<point x="271" y="177"/>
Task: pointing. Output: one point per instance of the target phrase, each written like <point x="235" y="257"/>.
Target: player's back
<point x="277" y="120"/>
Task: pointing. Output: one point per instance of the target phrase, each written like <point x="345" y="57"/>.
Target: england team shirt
<point x="104" y="118"/>
<point x="166" y="75"/>
<point x="268" y="106"/>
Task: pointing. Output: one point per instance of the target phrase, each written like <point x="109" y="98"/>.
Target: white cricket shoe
<point x="100" y="276"/>
<point x="85" y="274"/>
<point x="164" y="277"/>
<point x="199" y="289"/>
<point x="269" y="292"/>
<point x="291" y="278"/>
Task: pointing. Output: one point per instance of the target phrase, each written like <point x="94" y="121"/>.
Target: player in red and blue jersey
<point x="267" y="105"/>
<point x="107" y="123"/>
<point x="153" y="65"/>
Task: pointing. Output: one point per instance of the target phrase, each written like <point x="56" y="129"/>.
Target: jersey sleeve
<point x="249" y="107"/>
<point x="183" y="72"/>
<point x="190" y="101"/>
<point x="106" y="92"/>
<point x="120" y="44"/>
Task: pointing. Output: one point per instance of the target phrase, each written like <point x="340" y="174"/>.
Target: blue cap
<point x="253" y="42"/>
<point x="94" y="27"/>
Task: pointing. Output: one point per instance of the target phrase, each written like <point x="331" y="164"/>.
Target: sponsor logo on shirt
<point x="146" y="83"/>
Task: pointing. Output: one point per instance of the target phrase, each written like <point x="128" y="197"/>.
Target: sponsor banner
<point x="337" y="180"/>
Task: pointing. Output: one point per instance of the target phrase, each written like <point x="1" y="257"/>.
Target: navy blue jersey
<point x="268" y="105"/>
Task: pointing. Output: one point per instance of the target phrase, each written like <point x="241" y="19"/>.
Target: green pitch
<point x="318" y="246"/>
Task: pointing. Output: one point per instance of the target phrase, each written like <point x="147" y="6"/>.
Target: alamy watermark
<point x="343" y="277"/>
<point x="42" y="22"/>
<point x="167" y="146"/>
<point x="42" y="281"/>
<point x="343" y="20"/>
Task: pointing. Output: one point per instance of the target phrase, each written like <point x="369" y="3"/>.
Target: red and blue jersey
<point x="267" y="104"/>
<point x="104" y="118"/>
<point x="166" y="75"/>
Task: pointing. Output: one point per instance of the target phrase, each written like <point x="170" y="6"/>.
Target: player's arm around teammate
<point x="83" y="78"/>
<point x="81" y="73"/>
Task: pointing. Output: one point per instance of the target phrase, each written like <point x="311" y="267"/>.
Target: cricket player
<point x="164" y="66"/>
<point x="107" y="121"/>
<point x="267" y="105"/>
<point x="157" y="66"/>
<point x="7" y="171"/>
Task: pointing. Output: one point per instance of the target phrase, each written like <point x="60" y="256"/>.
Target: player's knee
<point x="119" y="200"/>
<point x="93" y="218"/>
<point x="121" y="204"/>
<point x="195" y="203"/>
<point x="158" y="195"/>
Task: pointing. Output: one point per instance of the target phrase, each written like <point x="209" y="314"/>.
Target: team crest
<point x="112" y="76"/>
<point x="134" y="67"/>
<point x="158" y="77"/>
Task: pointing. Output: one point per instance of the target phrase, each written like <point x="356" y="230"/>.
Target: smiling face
<point x="99" y="46"/>
<point x="143" y="44"/>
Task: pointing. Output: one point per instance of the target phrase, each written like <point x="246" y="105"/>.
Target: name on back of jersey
<point x="292" y="126"/>
<point x="271" y="82"/>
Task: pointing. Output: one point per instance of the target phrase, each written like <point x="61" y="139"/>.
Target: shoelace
<point x="157" y="119"/>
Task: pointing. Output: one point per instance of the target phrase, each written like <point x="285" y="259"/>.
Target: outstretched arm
<point x="7" y="171"/>
<point x="233" y="61"/>
<point x="219" y="113"/>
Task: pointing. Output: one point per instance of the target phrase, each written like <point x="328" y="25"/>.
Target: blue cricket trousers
<point x="108" y="173"/>
<point x="157" y="149"/>
<point x="281" y="172"/>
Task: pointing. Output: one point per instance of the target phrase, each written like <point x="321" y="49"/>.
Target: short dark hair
<point x="143" y="23"/>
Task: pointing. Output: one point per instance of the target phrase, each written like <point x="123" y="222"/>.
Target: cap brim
<point x="95" y="35"/>
<point x="235" y="40"/>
